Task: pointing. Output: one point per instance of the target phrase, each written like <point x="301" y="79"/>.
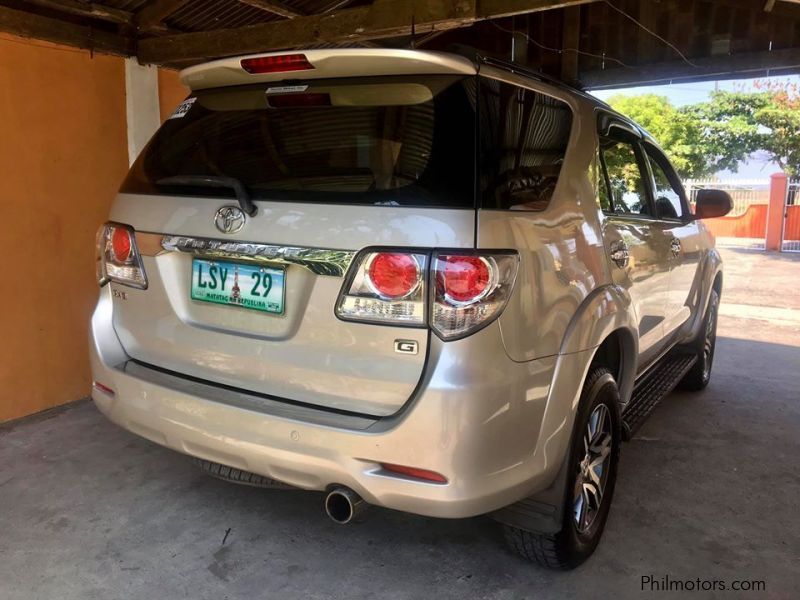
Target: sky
<point x="691" y="93"/>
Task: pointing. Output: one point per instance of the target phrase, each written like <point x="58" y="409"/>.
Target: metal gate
<point x="791" y="218"/>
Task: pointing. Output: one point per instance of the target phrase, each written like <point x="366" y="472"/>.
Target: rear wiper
<point x="219" y="181"/>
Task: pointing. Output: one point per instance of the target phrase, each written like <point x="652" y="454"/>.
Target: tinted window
<point x="627" y="193"/>
<point x="667" y="197"/>
<point x="370" y="140"/>
<point x="524" y="136"/>
<point x="598" y="178"/>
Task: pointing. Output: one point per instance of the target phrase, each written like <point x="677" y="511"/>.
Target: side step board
<point x="655" y="385"/>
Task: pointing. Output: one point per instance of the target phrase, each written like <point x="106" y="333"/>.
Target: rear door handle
<point x="675" y="247"/>
<point x="620" y="255"/>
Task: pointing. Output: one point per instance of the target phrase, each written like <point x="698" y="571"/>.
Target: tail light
<point x="468" y="290"/>
<point x="118" y="257"/>
<point x="385" y="287"/>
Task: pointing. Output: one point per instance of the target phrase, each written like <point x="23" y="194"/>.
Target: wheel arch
<point x="617" y="352"/>
<point x="606" y="322"/>
<point x="717" y="285"/>
<point x="712" y="279"/>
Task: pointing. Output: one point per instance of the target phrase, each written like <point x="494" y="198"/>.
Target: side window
<point x="627" y="193"/>
<point x="524" y="136"/>
<point x="667" y="198"/>
<point x="598" y="177"/>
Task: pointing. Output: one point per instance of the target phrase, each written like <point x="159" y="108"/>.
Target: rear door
<point x="635" y="242"/>
<point x="332" y="166"/>
<point x="683" y="235"/>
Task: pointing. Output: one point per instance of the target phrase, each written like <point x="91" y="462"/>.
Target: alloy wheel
<point x="593" y="469"/>
<point x="710" y="341"/>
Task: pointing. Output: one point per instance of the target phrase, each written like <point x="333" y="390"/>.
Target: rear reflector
<point x="280" y="63"/>
<point x="415" y="473"/>
<point x="102" y="388"/>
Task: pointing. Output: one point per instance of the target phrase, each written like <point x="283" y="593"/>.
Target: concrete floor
<point x="709" y="488"/>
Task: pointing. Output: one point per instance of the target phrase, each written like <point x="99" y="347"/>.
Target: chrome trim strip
<point x="320" y="261"/>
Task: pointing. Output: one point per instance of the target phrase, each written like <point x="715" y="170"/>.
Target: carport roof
<point x="591" y="43"/>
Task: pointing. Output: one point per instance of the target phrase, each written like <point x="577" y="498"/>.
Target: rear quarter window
<point x="523" y="142"/>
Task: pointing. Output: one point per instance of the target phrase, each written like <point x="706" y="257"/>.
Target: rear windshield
<point x="368" y="140"/>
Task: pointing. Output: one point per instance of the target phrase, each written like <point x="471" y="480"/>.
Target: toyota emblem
<point x="229" y="219"/>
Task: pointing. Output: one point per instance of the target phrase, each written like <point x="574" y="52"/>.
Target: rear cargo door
<point x="332" y="166"/>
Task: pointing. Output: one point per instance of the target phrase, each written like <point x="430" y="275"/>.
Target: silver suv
<point x="439" y="285"/>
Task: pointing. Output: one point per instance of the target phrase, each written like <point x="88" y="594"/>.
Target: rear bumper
<point x="491" y="426"/>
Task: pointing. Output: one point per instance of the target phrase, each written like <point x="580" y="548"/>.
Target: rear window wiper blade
<point x="218" y="181"/>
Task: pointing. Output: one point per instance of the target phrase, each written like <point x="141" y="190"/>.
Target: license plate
<point x="238" y="284"/>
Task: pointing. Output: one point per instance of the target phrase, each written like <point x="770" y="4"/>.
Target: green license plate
<point x="238" y="284"/>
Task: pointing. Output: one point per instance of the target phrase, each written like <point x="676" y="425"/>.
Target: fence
<point x="746" y="225"/>
<point x="791" y="224"/>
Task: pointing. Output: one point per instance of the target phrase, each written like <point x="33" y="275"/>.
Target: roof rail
<point x="515" y="67"/>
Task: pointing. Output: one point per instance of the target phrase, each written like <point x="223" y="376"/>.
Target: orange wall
<point x="63" y="154"/>
<point x="171" y="92"/>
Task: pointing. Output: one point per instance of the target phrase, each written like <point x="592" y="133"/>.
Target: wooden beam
<point x="749" y="64"/>
<point x="783" y="8"/>
<point x="270" y="6"/>
<point x="91" y="10"/>
<point x="29" y="25"/>
<point x="570" y="42"/>
<point x="155" y="12"/>
<point x="428" y="38"/>
<point x="645" y="42"/>
<point x="381" y="20"/>
<point x="496" y="9"/>
<point x="336" y="6"/>
<point x="385" y="19"/>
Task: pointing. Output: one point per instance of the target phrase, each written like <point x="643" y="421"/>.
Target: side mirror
<point x="712" y="203"/>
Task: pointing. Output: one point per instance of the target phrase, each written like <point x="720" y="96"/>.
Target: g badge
<point x="406" y="346"/>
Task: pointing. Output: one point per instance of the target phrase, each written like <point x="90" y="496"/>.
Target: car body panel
<point x="306" y="354"/>
<point x="645" y="277"/>
<point x="561" y="248"/>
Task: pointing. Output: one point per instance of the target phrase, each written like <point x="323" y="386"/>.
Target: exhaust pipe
<point x="343" y="505"/>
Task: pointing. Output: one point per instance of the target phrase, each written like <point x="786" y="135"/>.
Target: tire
<point x="576" y="542"/>
<point x="232" y="475"/>
<point x="705" y="345"/>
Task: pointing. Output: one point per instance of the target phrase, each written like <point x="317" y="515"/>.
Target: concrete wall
<point x="63" y="155"/>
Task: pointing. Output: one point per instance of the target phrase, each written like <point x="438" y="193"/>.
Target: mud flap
<point x="542" y="512"/>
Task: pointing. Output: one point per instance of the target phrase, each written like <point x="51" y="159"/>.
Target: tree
<point x="766" y="120"/>
<point x="704" y="138"/>
<point x="678" y="132"/>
